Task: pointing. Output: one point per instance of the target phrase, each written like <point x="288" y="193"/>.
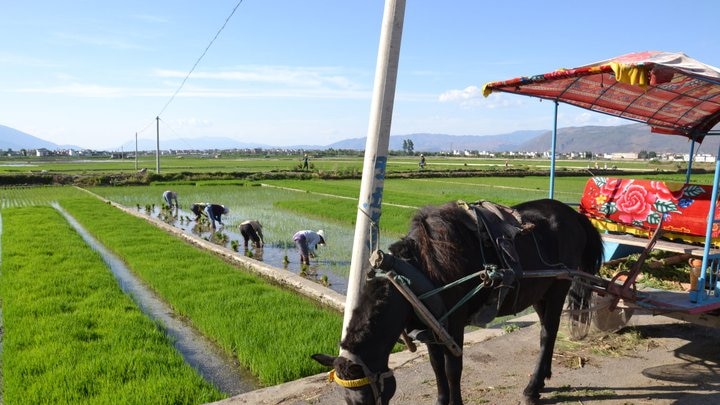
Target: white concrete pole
<point x="376" y="151"/>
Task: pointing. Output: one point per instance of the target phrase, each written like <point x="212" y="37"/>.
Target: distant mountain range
<point x="597" y="139"/>
<point x="11" y="138"/>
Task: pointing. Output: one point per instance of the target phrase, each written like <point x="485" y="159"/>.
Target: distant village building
<point x="623" y="156"/>
<point x="701" y="157"/>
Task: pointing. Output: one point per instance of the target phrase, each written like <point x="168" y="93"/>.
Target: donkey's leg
<point x="453" y="371"/>
<point x="549" y="311"/>
<point x="448" y="369"/>
<point x="437" y="360"/>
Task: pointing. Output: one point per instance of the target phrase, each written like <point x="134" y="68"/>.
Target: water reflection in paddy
<point x="259" y="203"/>
<point x="324" y="269"/>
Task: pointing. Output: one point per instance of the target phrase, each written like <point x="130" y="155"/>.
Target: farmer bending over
<point x="306" y="242"/>
<point x="252" y="230"/>
<point x="215" y="212"/>
<point x="198" y="209"/>
<point x="170" y="197"/>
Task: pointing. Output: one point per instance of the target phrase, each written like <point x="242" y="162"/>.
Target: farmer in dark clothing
<point x="215" y="212"/>
<point x="252" y="230"/>
<point x="305" y="162"/>
<point x="198" y="209"/>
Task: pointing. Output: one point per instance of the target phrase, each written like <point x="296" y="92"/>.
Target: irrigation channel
<point x="200" y="353"/>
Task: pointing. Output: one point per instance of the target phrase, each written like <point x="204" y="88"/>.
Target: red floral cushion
<point x="639" y="204"/>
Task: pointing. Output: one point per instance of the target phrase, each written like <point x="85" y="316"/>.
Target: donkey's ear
<point x="324" y="359"/>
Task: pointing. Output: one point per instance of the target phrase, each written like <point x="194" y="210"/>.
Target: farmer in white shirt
<point x="306" y="242"/>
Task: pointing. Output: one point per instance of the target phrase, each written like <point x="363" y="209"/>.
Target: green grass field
<point x="322" y="162"/>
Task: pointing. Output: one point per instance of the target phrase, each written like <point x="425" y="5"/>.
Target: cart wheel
<point x="579" y="318"/>
<point x="579" y="326"/>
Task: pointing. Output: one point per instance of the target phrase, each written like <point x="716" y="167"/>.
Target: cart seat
<point x="633" y="206"/>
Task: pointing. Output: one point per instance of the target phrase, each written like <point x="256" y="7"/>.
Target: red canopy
<point x="671" y="92"/>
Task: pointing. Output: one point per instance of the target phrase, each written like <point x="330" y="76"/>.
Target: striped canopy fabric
<point x="671" y="92"/>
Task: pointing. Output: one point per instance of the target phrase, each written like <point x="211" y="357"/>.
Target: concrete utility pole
<point x="136" y="155"/>
<point x="157" y="146"/>
<point x="376" y="151"/>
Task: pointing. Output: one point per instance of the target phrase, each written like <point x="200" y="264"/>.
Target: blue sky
<point x="285" y="72"/>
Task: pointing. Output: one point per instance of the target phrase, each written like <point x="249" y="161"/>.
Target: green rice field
<point x="70" y="334"/>
<point x="234" y="308"/>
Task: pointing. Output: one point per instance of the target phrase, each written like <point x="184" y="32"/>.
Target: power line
<point x="196" y="63"/>
<point x="200" y="58"/>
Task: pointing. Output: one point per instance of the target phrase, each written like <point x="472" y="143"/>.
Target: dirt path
<point x="656" y="361"/>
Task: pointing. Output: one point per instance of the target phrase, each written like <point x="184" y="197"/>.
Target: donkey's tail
<point x="581" y="292"/>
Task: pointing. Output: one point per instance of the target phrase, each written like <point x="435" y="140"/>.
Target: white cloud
<point x="10" y="59"/>
<point x="98" y="40"/>
<point x="471" y="96"/>
<point x="461" y="96"/>
<point x="279" y="75"/>
<point x="193" y="122"/>
<point x="94" y="91"/>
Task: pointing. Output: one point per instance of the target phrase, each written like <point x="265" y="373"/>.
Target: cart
<point x="675" y="95"/>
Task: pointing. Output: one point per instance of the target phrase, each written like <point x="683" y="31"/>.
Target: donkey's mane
<point x="441" y="234"/>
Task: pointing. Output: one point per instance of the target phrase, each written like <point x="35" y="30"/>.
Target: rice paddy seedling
<point x="70" y="334"/>
<point x="248" y="317"/>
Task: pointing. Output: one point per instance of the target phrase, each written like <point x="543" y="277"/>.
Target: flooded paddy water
<point x="330" y="272"/>
<point x="330" y="268"/>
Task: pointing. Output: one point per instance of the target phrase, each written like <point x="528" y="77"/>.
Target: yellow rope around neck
<point x="360" y="382"/>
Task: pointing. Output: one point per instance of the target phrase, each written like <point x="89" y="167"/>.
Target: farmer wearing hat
<point x="215" y="212"/>
<point x="252" y="230"/>
<point x="306" y="242"/>
<point x="198" y="209"/>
